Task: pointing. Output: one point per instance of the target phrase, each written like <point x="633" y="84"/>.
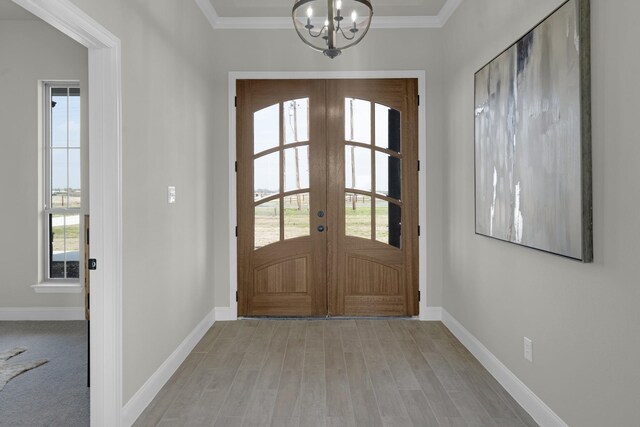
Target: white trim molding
<point x="41" y="313"/>
<point x="284" y="23"/>
<point x="531" y="403"/>
<point x="232" y="310"/>
<point x="143" y="397"/>
<point x="57" y="288"/>
<point x="225" y="313"/>
<point x="105" y="142"/>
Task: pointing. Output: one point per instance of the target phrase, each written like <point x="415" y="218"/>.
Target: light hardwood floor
<point x="332" y="373"/>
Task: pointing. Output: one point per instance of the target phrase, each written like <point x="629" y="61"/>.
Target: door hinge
<point x="418" y="100"/>
<point x="235" y="101"/>
<point x="236" y="231"/>
<point x="418" y="296"/>
<point x="418" y="230"/>
<point x="88" y="235"/>
<point x="236" y="166"/>
<point x="236" y="296"/>
<point x="418" y="165"/>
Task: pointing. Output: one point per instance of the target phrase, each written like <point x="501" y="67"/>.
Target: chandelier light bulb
<point x="309" y="12"/>
<point x="354" y="15"/>
<point x="339" y="4"/>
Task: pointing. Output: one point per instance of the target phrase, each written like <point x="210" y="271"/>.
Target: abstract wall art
<point x="533" y="138"/>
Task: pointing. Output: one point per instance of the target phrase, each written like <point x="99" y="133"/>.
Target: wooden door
<point x="281" y="190"/>
<point x="341" y="236"/>
<point x="373" y="197"/>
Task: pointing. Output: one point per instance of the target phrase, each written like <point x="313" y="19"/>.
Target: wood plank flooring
<point x="330" y="373"/>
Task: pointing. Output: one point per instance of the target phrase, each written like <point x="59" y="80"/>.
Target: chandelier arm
<point x="345" y="36"/>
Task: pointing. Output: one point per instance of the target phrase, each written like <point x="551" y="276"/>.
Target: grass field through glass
<point x="297" y="217"/>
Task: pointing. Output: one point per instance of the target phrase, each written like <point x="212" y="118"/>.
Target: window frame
<point x="45" y="203"/>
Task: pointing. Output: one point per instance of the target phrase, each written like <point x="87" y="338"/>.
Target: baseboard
<point x="431" y="314"/>
<point x="226" y="313"/>
<point x="134" y="407"/>
<point x="42" y="313"/>
<point x="531" y="403"/>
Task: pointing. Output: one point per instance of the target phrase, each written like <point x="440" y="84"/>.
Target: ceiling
<point x="9" y="11"/>
<point x="276" y="14"/>
<point x="279" y="8"/>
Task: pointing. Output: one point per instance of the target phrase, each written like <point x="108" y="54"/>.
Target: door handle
<point x="321" y="228"/>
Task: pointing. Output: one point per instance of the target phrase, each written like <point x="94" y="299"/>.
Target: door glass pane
<point x="357" y="168"/>
<point x="266" y="175"/>
<point x="388" y="223"/>
<point x="357" y="120"/>
<point x="296" y="216"/>
<point x="387" y="128"/>
<point x="388" y="176"/>
<point x="59" y="109"/>
<point x="267" y="223"/>
<point x="357" y="221"/>
<point x="266" y="128"/>
<point x="296" y="168"/>
<point x="59" y="196"/>
<point x="296" y="120"/>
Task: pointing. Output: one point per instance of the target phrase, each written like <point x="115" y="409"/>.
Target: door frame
<point x="105" y="198"/>
<point x="232" y="312"/>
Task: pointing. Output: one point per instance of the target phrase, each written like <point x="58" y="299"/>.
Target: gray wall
<point x="31" y="51"/>
<point x="168" y="139"/>
<point x="583" y="318"/>
<point x="381" y="50"/>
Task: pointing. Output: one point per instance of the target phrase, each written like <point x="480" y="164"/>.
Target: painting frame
<point x="530" y="189"/>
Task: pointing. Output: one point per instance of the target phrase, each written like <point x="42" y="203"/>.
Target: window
<point x="62" y="182"/>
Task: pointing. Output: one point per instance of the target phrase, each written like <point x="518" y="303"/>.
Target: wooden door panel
<point x="281" y="260"/>
<point x="372" y="273"/>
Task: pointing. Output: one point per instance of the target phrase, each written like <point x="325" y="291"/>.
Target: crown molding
<point x="284" y="23"/>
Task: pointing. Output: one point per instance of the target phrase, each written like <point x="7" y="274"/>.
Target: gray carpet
<point x="56" y="393"/>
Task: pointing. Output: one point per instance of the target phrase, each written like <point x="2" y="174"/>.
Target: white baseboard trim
<point x="431" y="314"/>
<point x="531" y="403"/>
<point x="134" y="407"/>
<point x="41" y="313"/>
<point x="226" y="313"/>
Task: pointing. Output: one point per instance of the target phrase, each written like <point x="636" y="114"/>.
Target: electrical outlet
<point x="528" y="349"/>
<point x="171" y="194"/>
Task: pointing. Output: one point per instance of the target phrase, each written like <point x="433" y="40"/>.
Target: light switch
<point x="171" y="194"/>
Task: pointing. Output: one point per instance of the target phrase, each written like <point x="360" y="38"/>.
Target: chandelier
<point x="332" y="25"/>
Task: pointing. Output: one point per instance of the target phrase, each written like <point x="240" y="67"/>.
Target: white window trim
<point x="50" y="284"/>
<point x="57" y="288"/>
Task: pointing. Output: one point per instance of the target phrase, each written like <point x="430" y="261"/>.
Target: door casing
<point x="230" y="312"/>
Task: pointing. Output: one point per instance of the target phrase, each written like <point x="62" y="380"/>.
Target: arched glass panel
<point x="357" y="168"/>
<point x="266" y="128"/>
<point x="267" y="223"/>
<point x="296" y="216"/>
<point x="266" y="175"/>
<point x="357" y="120"/>
<point x="296" y="120"/>
<point x="296" y="168"/>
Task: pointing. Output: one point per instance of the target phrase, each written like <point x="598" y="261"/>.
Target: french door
<point x="327" y="197"/>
